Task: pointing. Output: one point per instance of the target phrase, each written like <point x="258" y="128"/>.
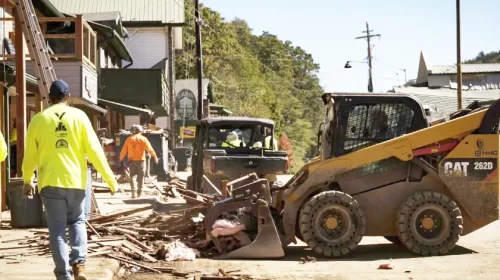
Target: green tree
<point x="257" y="76"/>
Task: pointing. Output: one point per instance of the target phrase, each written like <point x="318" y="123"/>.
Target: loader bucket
<point x="266" y="245"/>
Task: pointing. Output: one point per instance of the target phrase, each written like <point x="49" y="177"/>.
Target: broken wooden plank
<point x="138" y="251"/>
<point x="21" y="239"/>
<point x="211" y="185"/>
<point x="92" y="229"/>
<point x="120" y="214"/>
<point x="123" y="231"/>
<point x="100" y="253"/>
<point x="101" y="240"/>
<point x="133" y="263"/>
<point x="138" y="243"/>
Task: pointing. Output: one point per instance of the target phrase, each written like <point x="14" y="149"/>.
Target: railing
<point x="81" y="45"/>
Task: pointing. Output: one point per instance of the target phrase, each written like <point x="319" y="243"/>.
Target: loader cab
<point x="354" y="121"/>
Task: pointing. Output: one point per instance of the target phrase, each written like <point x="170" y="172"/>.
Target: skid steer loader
<point x="384" y="170"/>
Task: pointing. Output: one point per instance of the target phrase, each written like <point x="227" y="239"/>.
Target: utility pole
<point x="459" y="59"/>
<point x="199" y="58"/>
<point x="368" y="36"/>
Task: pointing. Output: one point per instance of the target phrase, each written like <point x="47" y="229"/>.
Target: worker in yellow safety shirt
<point x="58" y="142"/>
<point x="267" y="141"/>
<point x="232" y="141"/>
<point x="3" y="148"/>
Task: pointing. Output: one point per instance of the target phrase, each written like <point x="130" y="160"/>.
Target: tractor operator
<point x="380" y="127"/>
<point x="267" y="140"/>
<point x="58" y="142"/>
<point x="134" y="146"/>
<point x="232" y="141"/>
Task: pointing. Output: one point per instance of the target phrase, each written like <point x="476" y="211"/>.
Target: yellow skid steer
<point x="383" y="170"/>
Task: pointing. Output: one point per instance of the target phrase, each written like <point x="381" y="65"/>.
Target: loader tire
<point x="393" y="239"/>
<point x="332" y="223"/>
<point x="429" y="223"/>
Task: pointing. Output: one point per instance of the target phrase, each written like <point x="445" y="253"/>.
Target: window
<point x="371" y="124"/>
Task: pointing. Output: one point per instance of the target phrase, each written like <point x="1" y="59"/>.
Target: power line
<point x="368" y="36"/>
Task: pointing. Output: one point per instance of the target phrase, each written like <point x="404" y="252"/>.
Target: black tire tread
<point x="405" y="214"/>
<point x="306" y="219"/>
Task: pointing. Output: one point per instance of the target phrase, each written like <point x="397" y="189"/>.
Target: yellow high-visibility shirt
<point x="267" y="141"/>
<point x="232" y="144"/>
<point x="3" y="148"/>
<point x="13" y="136"/>
<point x="57" y="142"/>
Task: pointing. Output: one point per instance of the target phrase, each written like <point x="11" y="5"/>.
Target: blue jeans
<point x="64" y="207"/>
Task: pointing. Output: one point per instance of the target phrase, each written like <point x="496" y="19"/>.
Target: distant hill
<point x="492" y="57"/>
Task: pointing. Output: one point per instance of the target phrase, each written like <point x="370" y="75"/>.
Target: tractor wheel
<point x="332" y="223"/>
<point x="429" y="223"/>
<point x="393" y="239"/>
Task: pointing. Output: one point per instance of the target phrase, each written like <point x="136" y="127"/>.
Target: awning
<point x="79" y="101"/>
<point x="115" y="40"/>
<point x="124" y="108"/>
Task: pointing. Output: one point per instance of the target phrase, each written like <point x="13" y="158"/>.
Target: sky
<point x="327" y="28"/>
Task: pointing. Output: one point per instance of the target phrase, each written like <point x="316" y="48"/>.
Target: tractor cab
<point x="355" y="121"/>
<point x="226" y="148"/>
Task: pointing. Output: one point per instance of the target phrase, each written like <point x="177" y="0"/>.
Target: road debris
<point x="141" y="237"/>
<point x="386" y="266"/>
<point x="307" y="259"/>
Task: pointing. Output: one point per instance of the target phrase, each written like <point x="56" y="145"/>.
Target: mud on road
<point x="477" y="256"/>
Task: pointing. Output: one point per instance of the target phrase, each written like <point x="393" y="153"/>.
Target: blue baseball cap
<point x="59" y="88"/>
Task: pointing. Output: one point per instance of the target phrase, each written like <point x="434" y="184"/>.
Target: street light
<point x="348" y="63"/>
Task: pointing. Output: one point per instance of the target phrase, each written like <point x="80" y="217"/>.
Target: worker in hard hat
<point x="232" y="141"/>
<point x="267" y="140"/>
<point x="135" y="146"/>
<point x="58" y="142"/>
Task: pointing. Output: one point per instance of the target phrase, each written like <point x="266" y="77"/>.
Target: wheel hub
<point x="428" y="223"/>
<point x="331" y="223"/>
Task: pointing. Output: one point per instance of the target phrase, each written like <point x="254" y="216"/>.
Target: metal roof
<point x="168" y="12"/>
<point x="104" y="16"/>
<point x="237" y="120"/>
<point x="444" y="101"/>
<point x="466" y="69"/>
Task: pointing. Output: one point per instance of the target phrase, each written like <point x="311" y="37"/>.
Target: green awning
<point x="124" y="108"/>
<point x="115" y="39"/>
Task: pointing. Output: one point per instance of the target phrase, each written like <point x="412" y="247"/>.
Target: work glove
<point x="29" y="189"/>
<point x="156" y="160"/>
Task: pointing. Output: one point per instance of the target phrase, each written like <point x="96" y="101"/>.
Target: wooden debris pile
<point x="138" y="240"/>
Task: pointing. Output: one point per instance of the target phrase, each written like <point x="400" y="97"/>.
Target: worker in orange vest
<point x="134" y="146"/>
